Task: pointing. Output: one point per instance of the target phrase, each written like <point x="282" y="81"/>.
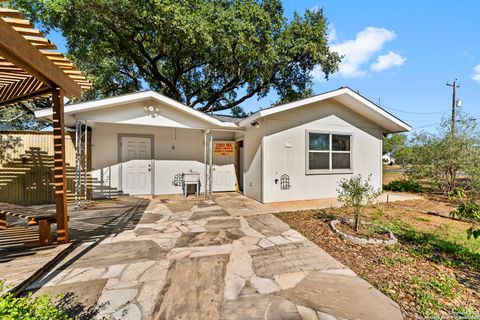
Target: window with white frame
<point x="328" y="152"/>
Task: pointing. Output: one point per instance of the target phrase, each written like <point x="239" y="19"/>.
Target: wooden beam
<point x="28" y="31"/>
<point x="26" y="97"/>
<point x="19" y="51"/>
<point x="18" y="22"/>
<point x="6" y="12"/>
<point x="59" y="166"/>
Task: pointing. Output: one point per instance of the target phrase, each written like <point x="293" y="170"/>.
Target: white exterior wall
<point x="289" y="129"/>
<point x="174" y="151"/>
<point x="252" y="157"/>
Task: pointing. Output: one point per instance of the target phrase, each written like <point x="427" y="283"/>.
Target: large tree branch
<point x="154" y="69"/>
<point x="249" y="95"/>
<point x="134" y="78"/>
<point x="214" y="97"/>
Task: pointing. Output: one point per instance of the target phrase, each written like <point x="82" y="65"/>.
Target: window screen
<point x="328" y="152"/>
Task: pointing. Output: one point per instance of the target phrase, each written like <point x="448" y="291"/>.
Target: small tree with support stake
<point x="357" y="193"/>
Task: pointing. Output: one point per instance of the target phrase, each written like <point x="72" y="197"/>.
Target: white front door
<point x="136" y="159"/>
<point x="224" y="178"/>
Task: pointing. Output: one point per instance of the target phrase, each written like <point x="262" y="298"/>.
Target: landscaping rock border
<point x="357" y="240"/>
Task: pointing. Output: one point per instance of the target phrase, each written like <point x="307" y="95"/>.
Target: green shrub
<point x="457" y="193"/>
<point x="471" y="211"/>
<point x="356" y="192"/>
<point x="403" y="185"/>
<point x="28" y="307"/>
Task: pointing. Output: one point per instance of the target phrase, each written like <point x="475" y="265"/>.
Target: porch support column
<point x="205" y="162"/>
<point x="210" y="162"/>
<point x="59" y="165"/>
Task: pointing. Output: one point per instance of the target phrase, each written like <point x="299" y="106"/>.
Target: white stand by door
<point x="136" y="159"/>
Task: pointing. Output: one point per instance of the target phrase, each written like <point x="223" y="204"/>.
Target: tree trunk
<point x="357" y="219"/>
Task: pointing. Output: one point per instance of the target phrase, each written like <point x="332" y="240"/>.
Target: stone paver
<point x="267" y="224"/>
<point x="194" y="289"/>
<point x="343" y="297"/>
<point x="200" y="259"/>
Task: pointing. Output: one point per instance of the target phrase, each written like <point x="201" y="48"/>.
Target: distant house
<point x="143" y="142"/>
<point x="387" y="159"/>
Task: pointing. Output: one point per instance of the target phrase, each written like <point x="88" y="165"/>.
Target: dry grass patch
<point x="434" y="270"/>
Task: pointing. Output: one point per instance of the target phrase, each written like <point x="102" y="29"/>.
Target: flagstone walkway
<point x="194" y="260"/>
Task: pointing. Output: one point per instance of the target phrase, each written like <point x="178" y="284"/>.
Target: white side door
<point x="136" y="159"/>
<point x="224" y="178"/>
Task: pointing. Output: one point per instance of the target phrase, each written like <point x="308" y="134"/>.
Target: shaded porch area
<point x="21" y="257"/>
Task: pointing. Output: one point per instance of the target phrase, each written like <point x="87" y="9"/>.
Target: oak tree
<point x="211" y="55"/>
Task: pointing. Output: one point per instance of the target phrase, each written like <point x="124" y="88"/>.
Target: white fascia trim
<point x="379" y="110"/>
<point x="288" y="106"/>
<point x="332" y="94"/>
<point x="134" y="97"/>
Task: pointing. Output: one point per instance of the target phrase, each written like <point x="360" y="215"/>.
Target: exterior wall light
<point x="152" y="111"/>
<point x="255" y="124"/>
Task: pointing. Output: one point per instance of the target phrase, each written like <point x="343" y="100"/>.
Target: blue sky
<point x="402" y="53"/>
<point x="421" y="45"/>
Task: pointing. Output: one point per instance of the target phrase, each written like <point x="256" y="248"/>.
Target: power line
<point x="398" y="110"/>
<point x="426" y="126"/>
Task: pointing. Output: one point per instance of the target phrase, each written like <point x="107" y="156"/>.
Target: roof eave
<point x="131" y="98"/>
<point x="399" y="125"/>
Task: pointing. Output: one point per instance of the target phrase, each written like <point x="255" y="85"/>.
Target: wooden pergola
<point x="31" y="68"/>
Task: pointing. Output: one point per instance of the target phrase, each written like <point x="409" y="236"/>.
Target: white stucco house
<point x="143" y="142"/>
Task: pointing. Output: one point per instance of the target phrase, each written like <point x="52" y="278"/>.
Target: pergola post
<point x="59" y="165"/>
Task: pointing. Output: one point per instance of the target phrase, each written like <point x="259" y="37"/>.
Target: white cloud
<point x="317" y="74"/>
<point x="331" y="33"/>
<point x="360" y="50"/>
<point x="476" y="73"/>
<point x="387" y="61"/>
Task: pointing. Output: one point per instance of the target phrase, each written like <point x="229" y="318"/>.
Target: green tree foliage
<point x="238" y="112"/>
<point x="469" y="210"/>
<point x="393" y="143"/>
<point x="21" y="117"/>
<point x="357" y="192"/>
<point x="396" y="145"/>
<point x="442" y="156"/>
<point x="211" y="55"/>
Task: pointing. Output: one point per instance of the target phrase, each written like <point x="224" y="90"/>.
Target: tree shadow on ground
<point x="445" y="252"/>
<point x="70" y="304"/>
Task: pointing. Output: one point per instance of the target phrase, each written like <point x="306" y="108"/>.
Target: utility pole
<point x="454" y="102"/>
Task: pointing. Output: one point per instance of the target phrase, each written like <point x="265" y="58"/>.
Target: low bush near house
<point x="27" y="307"/>
<point x="404" y="185"/>
<point x="357" y="193"/>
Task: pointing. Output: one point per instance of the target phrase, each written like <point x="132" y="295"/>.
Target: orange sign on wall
<point x="223" y="148"/>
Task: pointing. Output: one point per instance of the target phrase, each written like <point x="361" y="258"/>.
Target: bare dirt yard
<point x="432" y="273"/>
<point x="391" y="173"/>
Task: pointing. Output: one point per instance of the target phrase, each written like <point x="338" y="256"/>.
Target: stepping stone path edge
<point x="358" y="240"/>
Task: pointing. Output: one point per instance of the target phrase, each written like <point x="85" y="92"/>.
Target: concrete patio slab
<point x="289" y="206"/>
